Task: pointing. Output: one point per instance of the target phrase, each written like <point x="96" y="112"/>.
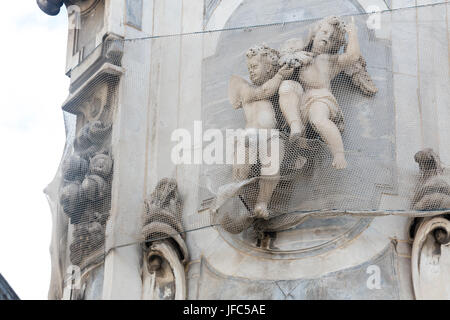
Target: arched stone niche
<point x="343" y="242"/>
<point x="218" y="14"/>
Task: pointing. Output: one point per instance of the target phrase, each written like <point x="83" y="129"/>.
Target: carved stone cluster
<point x="271" y="54"/>
<point x="432" y="191"/>
<point x="85" y="194"/>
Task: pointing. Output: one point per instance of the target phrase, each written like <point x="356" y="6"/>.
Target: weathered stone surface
<point x="354" y="283"/>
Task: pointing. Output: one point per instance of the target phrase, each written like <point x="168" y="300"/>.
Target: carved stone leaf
<point x="361" y="78"/>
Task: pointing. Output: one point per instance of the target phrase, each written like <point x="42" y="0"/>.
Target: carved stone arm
<point x="352" y="53"/>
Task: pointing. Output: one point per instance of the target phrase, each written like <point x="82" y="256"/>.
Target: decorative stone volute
<point x="50" y="7"/>
<point x="165" y="251"/>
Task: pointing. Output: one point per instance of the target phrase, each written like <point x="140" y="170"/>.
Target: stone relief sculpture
<point x="85" y="194"/>
<point x="81" y="190"/>
<point x="165" y="251"/>
<point x="300" y="77"/>
<point x="430" y="260"/>
<point x="255" y="99"/>
<point x="433" y="191"/>
<point x="307" y="99"/>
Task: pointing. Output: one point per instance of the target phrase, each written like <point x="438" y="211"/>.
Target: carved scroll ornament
<point x="165" y="251"/>
<point x="430" y="260"/>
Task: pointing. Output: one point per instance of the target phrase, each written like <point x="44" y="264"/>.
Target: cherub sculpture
<point x="307" y="99"/>
<point x="266" y="77"/>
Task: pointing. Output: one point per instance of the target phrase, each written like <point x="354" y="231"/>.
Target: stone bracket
<point x="110" y="52"/>
<point x="106" y="70"/>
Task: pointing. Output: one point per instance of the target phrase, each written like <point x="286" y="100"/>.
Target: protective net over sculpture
<point x="80" y="194"/>
<point x="299" y="120"/>
<point x="324" y="101"/>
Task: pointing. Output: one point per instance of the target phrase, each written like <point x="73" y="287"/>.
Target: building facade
<point x="146" y="206"/>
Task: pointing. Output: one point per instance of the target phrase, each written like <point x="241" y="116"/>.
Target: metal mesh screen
<point x="319" y="132"/>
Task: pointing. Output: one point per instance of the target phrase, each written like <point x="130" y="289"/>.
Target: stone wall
<point x="168" y="83"/>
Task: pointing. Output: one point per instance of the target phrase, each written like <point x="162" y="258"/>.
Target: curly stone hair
<point x="264" y="50"/>
<point x="338" y="34"/>
<point x="269" y="56"/>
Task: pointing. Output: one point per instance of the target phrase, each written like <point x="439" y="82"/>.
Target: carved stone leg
<point x="270" y="174"/>
<point x="266" y="187"/>
<point x="290" y="93"/>
<point x="245" y="155"/>
<point x="319" y="117"/>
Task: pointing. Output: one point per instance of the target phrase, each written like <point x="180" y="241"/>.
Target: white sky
<point x="32" y="89"/>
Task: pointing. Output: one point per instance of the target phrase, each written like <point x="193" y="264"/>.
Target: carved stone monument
<point x="293" y="206"/>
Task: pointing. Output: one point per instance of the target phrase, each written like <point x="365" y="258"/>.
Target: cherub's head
<point x="262" y="63"/>
<point x="327" y="36"/>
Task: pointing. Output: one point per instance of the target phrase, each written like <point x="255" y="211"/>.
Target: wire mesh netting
<point x="299" y="120"/>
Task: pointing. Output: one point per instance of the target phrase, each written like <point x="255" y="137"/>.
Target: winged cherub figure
<point x="255" y="98"/>
<point x="308" y="98"/>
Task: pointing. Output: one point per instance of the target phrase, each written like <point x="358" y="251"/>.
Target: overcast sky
<point x="32" y="89"/>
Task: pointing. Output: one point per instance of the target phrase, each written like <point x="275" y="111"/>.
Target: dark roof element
<point x="50" y="7"/>
<point x="6" y="292"/>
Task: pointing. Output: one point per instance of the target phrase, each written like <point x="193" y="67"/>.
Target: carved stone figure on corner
<point x="433" y="191"/>
<point x="165" y="252"/>
<point x="308" y="99"/>
<point x="255" y="99"/>
<point x="430" y="259"/>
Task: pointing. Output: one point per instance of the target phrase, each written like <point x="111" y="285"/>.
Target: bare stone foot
<point x="261" y="211"/>
<point x="339" y="161"/>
